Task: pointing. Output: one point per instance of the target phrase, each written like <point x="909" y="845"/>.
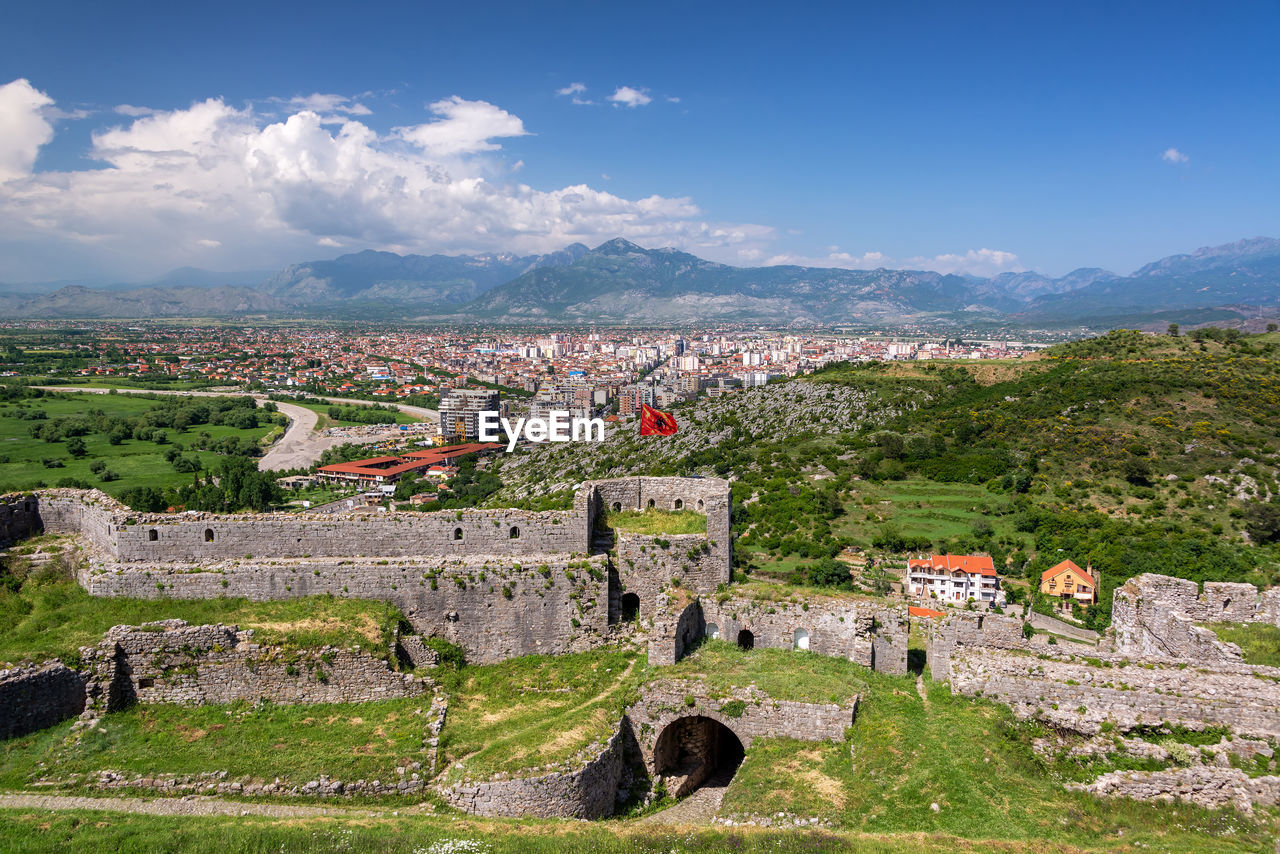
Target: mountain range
<point x="620" y="282"/>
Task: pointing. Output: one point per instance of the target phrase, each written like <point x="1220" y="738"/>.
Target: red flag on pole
<point x="655" y="422"/>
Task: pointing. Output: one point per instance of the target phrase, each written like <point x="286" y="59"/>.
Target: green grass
<point x="322" y="409"/>
<point x="138" y="463"/>
<point x="52" y="620"/>
<point x="972" y="760"/>
<point x="38" y="831"/>
<point x="783" y="674"/>
<point x="922" y="508"/>
<point x="654" y="521"/>
<point x="1259" y="642"/>
<point x="347" y="741"/>
<point x="534" y="710"/>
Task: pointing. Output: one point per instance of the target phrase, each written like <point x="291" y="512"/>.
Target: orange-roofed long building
<point x="1069" y="583"/>
<point x="384" y="471"/>
<point x="953" y="578"/>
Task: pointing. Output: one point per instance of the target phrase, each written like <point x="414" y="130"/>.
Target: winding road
<point x="300" y="446"/>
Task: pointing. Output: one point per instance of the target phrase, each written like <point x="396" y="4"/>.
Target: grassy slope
<point x="534" y="710"/>
<point x="1259" y="642"/>
<point x="347" y="741"/>
<point x="30" y="830"/>
<point x="53" y="620"/>
<point x="903" y="755"/>
<point x="138" y="463"/>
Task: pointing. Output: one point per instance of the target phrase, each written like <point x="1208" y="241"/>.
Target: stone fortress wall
<point x="499" y="583"/>
<point x="1155" y="615"/>
<point x="172" y="662"/>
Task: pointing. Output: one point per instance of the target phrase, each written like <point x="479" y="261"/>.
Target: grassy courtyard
<point x="654" y="521"/>
<point x="53" y="620"/>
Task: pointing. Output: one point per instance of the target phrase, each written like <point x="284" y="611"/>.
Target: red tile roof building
<point x="380" y="471"/>
<point x="953" y="578"/>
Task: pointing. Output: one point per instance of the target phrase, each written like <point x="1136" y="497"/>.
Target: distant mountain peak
<point x="618" y="246"/>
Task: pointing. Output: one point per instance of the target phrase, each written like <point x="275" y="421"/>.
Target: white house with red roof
<point x="954" y="578"/>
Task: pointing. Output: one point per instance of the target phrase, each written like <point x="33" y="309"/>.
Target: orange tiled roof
<point x="914" y="611"/>
<point x="1061" y="568"/>
<point x="968" y="564"/>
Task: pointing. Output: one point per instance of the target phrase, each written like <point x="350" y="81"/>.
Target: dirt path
<point x="699" y="808"/>
<point x="301" y="445"/>
<point x="191" y="805"/>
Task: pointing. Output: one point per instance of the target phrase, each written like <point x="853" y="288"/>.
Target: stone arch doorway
<point x="694" y="751"/>
<point x="746" y="640"/>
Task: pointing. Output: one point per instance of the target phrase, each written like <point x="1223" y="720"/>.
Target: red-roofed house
<point x="1071" y="584"/>
<point x="382" y="471"/>
<point x="953" y="578"/>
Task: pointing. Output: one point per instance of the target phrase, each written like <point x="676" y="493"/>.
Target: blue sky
<point x="1037" y="136"/>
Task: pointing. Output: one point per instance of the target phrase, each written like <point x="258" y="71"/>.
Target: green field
<point x="347" y="741"/>
<point x="138" y="463"/>
<point x="1259" y="642"/>
<point x="405" y="832"/>
<point x="54" y="619"/>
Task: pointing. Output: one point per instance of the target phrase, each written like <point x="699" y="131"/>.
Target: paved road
<point x="191" y="805"/>
<point x="300" y="446"/>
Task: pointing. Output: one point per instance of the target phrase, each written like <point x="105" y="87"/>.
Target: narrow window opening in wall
<point x="153" y="535"/>
<point x="679" y="505"/>
<point x="515" y="533"/>
<point x="651" y="505"/>
<point x="146" y="683"/>
<point x="630" y="607"/>
<point x="457" y="533"/>
<point x="700" y="504"/>
<point x="746" y="640"/>
<point x="713" y="631"/>
<point x="208" y="535"/>
<point x="979" y="624"/>
<point x="800" y="640"/>
<point x="617" y="507"/>
<point x="1226" y="603"/>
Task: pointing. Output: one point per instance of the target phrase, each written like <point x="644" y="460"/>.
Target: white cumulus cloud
<point x="23" y="127"/>
<point x="626" y="96"/>
<point x="1173" y="155"/>
<point x="975" y="262"/>
<point x="464" y="127"/>
<point x="267" y="190"/>
<point x="573" y="89"/>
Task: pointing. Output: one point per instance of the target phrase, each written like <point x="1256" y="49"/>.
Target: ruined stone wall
<point x="19" y="517"/>
<point x="1081" y="693"/>
<point x="91" y="513"/>
<point x="588" y="792"/>
<point x="1155" y="615"/>
<point x="646" y="564"/>
<point x="173" y="662"/>
<point x="33" y="697"/>
<point x="493" y="608"/>
<point x="870" y="632"/>
<point x="677" y="626"/>
<point x="944" y="635"/>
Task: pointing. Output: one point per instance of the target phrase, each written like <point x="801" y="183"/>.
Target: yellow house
<point x="1070" y="583"/>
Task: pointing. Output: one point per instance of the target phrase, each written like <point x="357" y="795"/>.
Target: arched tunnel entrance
<point x="696" y="750"/>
